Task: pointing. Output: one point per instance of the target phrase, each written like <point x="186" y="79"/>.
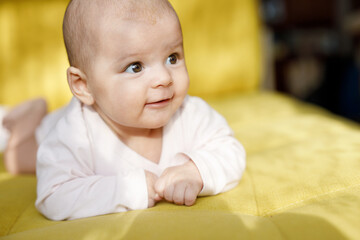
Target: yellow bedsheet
<point x="302" y="182"/>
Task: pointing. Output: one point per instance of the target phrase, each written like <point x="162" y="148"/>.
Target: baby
<point x="131" y="136"/>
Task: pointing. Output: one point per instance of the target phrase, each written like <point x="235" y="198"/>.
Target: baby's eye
<point x="134" y="68"/>
<point x="172" y="59"/>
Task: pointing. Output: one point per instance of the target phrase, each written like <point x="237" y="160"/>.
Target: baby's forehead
<point x="130" y="33"/>
<point x="125" y="15"/>
<point x="143" y="10"/>
<point x="115" y="12"/>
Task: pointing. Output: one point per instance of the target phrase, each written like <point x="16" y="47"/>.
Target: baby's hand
<point x="180" y="184"/>
<point x="153" y="197"/>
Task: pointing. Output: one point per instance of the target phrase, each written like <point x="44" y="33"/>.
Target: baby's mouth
<point x="160" y="103"/>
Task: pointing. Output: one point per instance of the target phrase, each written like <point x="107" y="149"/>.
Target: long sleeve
<point x="219" y="157"/>
<point x="69" y="188"/>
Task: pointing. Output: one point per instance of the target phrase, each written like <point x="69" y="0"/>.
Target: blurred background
<point x="33" y="60"/>
<point x="313" y="52"/>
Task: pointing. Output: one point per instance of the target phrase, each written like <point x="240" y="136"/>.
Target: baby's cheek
<point x="185" y="82"/>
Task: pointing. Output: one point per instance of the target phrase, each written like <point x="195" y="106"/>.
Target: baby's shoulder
<point x="61" y="122"/>
<point x="194" y="104"/>
<point x="194" y="109"/>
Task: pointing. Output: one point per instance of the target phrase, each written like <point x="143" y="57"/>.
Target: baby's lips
<point x="160" y="99"/>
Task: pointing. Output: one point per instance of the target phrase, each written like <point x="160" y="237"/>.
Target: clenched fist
<point x="180" y="184"/>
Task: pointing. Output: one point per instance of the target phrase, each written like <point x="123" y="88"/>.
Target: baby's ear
<point x="78" y="84"/>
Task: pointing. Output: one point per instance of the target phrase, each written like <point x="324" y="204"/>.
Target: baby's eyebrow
<point x="134" y="55"/>
<point x="126" y="56"/>
<point x="176" y="44"/>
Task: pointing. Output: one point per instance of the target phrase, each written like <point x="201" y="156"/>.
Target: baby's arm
<point x="76" y="174"/>
<point x="218" y="156"/>
<point x="180" y="184"/>
<point x="69" y="189"/>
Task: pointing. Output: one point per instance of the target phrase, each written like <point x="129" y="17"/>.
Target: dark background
<point x="316" y="51"/>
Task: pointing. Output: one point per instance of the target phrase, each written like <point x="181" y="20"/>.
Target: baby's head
<point x="127" y="60"/>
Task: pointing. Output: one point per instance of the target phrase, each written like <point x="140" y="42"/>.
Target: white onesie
<point x="84" y="169"/>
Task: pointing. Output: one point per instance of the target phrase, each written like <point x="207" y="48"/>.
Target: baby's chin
<point x="161" y="119"/>
<point x="157" y="124"/>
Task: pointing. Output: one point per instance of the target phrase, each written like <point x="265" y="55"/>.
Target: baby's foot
<point x="23" y="120"/>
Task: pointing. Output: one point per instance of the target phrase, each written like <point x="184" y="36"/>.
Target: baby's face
<point x="139" y="77"/>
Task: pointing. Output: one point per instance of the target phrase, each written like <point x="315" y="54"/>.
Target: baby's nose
<point x="162" y="78"/>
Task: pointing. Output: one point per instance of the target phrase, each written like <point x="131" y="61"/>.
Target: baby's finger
<point x="159" y="187"/>
<point x="190" y="196"/>
<point x="151" y="203"/>
<point x="179" y="194"/>
<point x="168" y="193"/>
<point x="157" y="197"/>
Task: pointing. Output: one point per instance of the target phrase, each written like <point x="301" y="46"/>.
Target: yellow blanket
<point x="302" y="182"/>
